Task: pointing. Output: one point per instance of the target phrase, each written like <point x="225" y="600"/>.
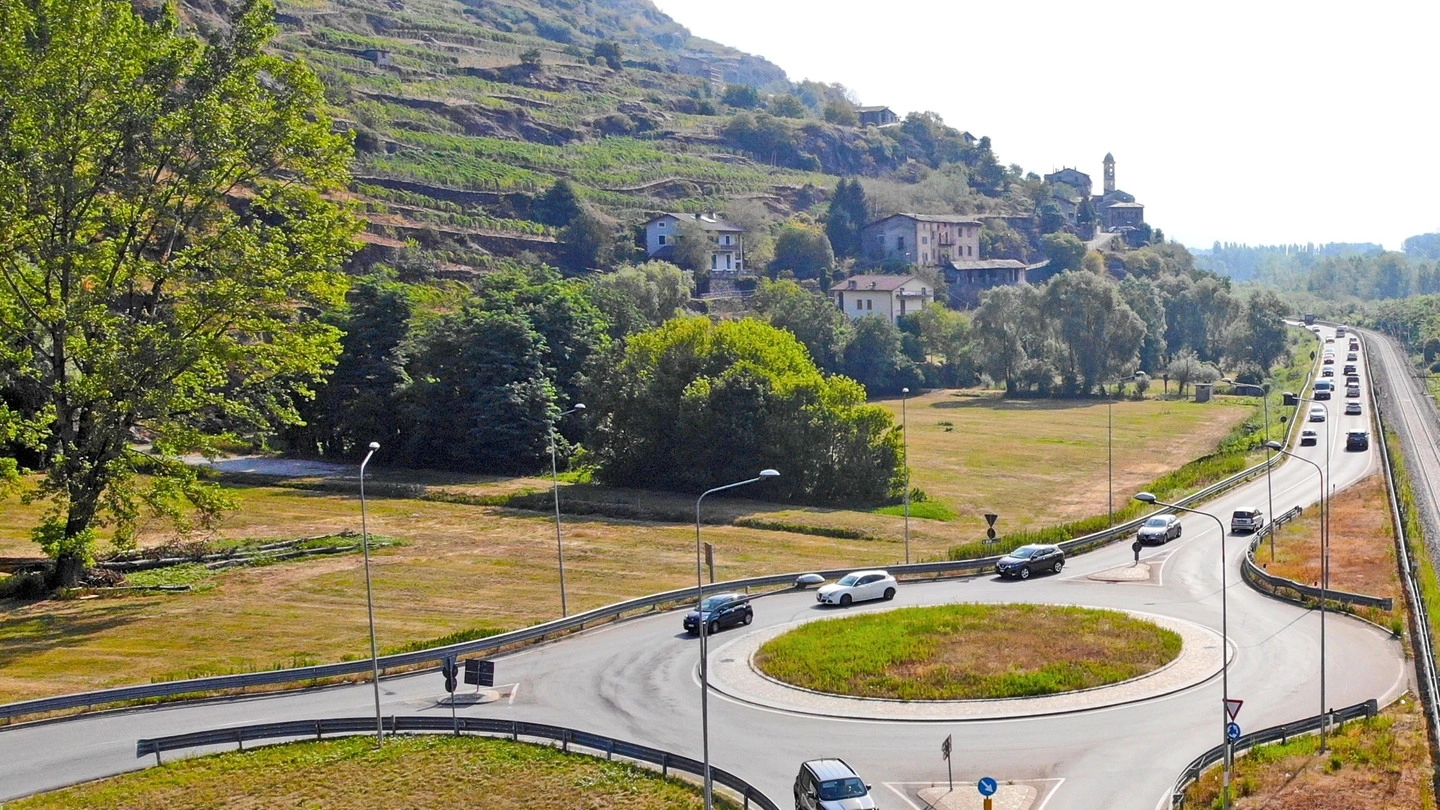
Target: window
<point x="714" y="262"/>
<point x="924" y="240"/>
<point x="925" y="257"/>
<point x="869" y="304"/>
<point x="660" y="224"/>
<point x="662" y="238"/>
<point x="900" y="243"/>
<point x="859" y="304"/>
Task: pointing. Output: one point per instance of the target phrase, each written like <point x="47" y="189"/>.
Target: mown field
<point x="460" y="569"/>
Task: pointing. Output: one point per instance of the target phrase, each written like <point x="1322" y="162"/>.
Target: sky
<point x="1261" y="122"/>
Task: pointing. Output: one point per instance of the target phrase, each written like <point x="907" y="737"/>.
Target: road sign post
<point x="710" y="561"/>
<point x="987" y="788"/>
<point x="990" y="519"/>
<point x="949" y="770"/>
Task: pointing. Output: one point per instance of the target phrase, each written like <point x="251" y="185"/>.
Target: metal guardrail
<point x="1261" y="580"/>
<point x="435" y="655"/>
<point x="514" y="729"/>
<point x="1369" y="708"/>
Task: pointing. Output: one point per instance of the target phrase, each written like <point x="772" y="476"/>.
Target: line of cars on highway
<point x="1324" y="387"/>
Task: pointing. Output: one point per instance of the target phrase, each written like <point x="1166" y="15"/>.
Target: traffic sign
<point x="987" y="786"/>
<point x="1232" y="731"/>
<point x="945" y="747"/>
<point x="1232" y="707"/>
<point x="991" y="518"/>
<point x="990" y="534"/>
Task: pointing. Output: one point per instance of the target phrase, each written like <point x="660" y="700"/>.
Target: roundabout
<point x="733" y="674"/>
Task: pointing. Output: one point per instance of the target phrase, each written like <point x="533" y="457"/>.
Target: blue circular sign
<point x="987" y="786"/>
<point x="1232" y="731"/>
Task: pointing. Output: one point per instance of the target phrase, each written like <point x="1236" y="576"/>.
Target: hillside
<point x="462" y="112"/>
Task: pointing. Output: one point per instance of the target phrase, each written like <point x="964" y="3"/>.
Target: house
<point x="727" y="251"/>
<point x="1117" y="209"/>
<point x="1073" y="178"/>
<point x="889" y="297"/>
<point x="877" y="116"/>
<point x="378" y="57"/>
<point x="966" y="280"/>
<point x="924" y="240"/>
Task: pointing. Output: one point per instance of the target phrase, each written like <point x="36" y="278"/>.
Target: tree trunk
<point x="68" y="568"/>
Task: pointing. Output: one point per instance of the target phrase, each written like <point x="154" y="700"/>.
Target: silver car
<point x="1159" y="529"/>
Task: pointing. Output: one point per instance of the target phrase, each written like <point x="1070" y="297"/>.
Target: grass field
<point x="968" y="652"/>
<point x="420" y="771"/>
<point x="467" y="569"/>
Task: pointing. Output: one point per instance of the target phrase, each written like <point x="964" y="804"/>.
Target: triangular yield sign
<point x="1232" y="707"/>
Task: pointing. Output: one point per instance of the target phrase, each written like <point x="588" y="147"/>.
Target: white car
<point x="857" y="586"/>
<point x="1317" y="413"/>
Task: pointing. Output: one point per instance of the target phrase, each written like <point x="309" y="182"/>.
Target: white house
<point x="889" y="297"/>
<point x="726" y="239"/>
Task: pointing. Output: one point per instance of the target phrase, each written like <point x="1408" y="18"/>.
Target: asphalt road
<point x="637" y="680"/>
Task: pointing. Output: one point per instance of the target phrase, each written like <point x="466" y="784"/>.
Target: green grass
<point x="967" y="652"/>
<point x="419" y="771"/>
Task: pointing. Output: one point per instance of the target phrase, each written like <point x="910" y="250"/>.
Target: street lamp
<point x="702" y="625"/>
<point x="370" y="599"/>
<point x="1324" y="566"/>
<point x="1149" y="498"/>
<point x="1269" y="490"/>
<point x="905" y="451"/>
<point x="1110" y="443"/>
<point x="555" y="480"/>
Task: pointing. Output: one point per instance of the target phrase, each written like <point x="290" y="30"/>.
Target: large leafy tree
<point x="164" y="254"/>
<point x="849" y="213"/>
<point x="640" y="297"/>
<point x="1100" y="335"/>
<point x="694" y="404"/>
<point x="803" y="250"/>
<point x="809" y="316"/>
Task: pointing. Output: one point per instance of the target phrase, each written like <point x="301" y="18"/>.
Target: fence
<point x="539" y="632"/>
<point x="343" y="726"/>
<point x="1261" y="580"/>
<point x="1369" y="708"/>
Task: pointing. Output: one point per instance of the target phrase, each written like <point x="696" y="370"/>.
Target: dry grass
<point x="420" y="772"/>
<point x="464" y="568"/>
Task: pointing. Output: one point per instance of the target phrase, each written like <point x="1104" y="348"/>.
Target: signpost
<point x="479" y="672"/>
<point x="987" y="788"/>
<point x="990" y="519"/>
<point x="1232" y="731"/>
<point x="945" y="753"/>
<point x="1232" y="707"/>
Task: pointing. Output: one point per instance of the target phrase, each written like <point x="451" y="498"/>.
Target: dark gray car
<point x="1032" y="559"/>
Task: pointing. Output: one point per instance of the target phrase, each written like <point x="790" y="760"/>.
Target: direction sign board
<point x="1232" y="707"/>
<point x="1232" y="731"/>
<point x="945" y="747"/>
<point x="987" y="786"/>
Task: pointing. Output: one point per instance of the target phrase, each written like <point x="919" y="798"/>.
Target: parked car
<point x="1329" y="358"/>
<point x="831" y="784"/>
<point x="1352" y="409"/>
<point x="1357" y="440"/>
<point x="1317" y="412"/>
<point x="718" y="612"/>
<point x="1248" y="519"/>
<point x="857" y="586"/>
<point x="1159" y="529"/>
<point x="1308" y="437"/>
<point x="1031" y="559"/>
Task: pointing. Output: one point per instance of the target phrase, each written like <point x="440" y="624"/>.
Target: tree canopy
<point x="165" y="251"/>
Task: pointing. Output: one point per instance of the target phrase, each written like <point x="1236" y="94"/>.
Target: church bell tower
<point x="1109" y="173"/>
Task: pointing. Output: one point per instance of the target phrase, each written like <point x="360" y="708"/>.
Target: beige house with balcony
<point x="924" y="240"/>
<point x="888" y="297"/>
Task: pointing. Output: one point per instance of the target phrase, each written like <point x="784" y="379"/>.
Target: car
<point x="1329" y="358"/>
<point x="1308" y="437"/>
<point x="718" y="612"/>
<point x="857" y="586"/>
<point x="1352" y="379"/>
<point x="1328" y="371"/>
<point x="1352" y="409"/>
<point x="1329" y="340"/>
<point x="1317" y="412"/>
<point x="1357" y="440"/>
<point x="1352" y="391"/>
<point x="1031" y="559"/>
<point x="1159" y="529"/>
<point x="1247" y="519"/>
<point x="1351" y="369"/>
<point x="1354" y="346"/>
<point x="1352" y="356"/>
<point x="831" y="784"/>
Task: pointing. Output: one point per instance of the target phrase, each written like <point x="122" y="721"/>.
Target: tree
<point x="1099" y="334"/>
<point x="559" y="205"/>
<point x="634" y="299"/>
<point x="1258" y="334"/>
<point x="1144" y="299"/>
<point x="694" y="404"/>
<point x="741" y="95"/>
<point x="875" y="357"/>
<point x="786" y="106"/>
<point x="531" y="59"/>
<point x="1010" y="335"/>
<point x="1065" y="251"/>
<point x="812" y="318"/>
<point x="849" y="213"/>
<point x="692" y="247"/>
<point x="608" y="51"/>
<point x="166" y="251"/>
<point x="841" y="112"/>
<point x="945" y="337"/>
<point x="1186" y="368"/>
<point x="802" y="249"/>
<point x="588" y="244"/>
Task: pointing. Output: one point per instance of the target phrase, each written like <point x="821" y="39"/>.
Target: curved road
<point x="637" y="680"/>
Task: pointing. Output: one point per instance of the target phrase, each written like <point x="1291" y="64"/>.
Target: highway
<point x="637" y="680"/>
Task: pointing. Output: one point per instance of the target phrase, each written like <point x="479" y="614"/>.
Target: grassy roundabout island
<point x="968" y="652"/>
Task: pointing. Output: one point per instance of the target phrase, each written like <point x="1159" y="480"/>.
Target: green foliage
<point x="809" y="316"/>
<point x="803" y="251"/>
<point x="1065" y="251"/>
<point x="875" y="357"/>
<point x="849" y="214"/>
<point x="741" y="95"/>
<point x="636" y="298"/>
<point x="160" y="302"/>
<point x="695" y="404"/>
<point x="559" y="205"/>
<point x="786" y="106"/>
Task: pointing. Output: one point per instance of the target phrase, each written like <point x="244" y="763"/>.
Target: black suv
<point x="721" y="610"/>
<point x="1031" y="559"/>
<point x="1357" y="440"/>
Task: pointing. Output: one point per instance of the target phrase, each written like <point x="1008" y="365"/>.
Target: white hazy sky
<point x="1266" y="122"/>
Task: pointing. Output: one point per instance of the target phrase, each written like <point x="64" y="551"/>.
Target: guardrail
<point x="1261" y="580"/>
<point x="1369" y="708"/>
<point x="514" y="729"/>
<point x="434" y="655"/>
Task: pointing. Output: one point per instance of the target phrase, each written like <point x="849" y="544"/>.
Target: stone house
<point x="877" y="116"/>
<point x="889" y="297"/>
<point x="924" y="240"/>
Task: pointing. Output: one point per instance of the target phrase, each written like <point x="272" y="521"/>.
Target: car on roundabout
<point x="1033" y="558"/>
<point x="718" y="612"/>
<point x="831" y="784"/>
<point x="1159" y="529"/>
<point x="857" y="586"/>
<point x="1308" y="438"/>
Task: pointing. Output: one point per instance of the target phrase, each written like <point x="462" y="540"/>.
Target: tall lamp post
<point x="555" y="481"/>
<point x="370" y="600"/>
<point x="1269" y="490"/>
<point x="905" y="451"/>
<point x="702" y="625"/>
<point x="1324" y="564"/>
<point x="1146" y="497"/>
<point x="1110" y="444"/>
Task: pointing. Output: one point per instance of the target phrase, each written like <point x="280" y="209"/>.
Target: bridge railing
<point x="514" y="729"/>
